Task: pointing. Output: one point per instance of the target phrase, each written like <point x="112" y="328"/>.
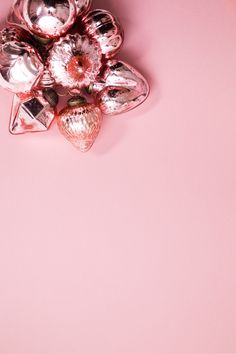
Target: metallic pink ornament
<point x="120" y="88"/>
<point x="74" y="61"/>
<point x="80" y="123"/>
<point x="20" y="64"/>
<point x="49" y="18"/>
<point x="106" y="29"/>
<point x="30" y="113"/>
<point x="83" y="6"/>
<point x="117" y="100"/>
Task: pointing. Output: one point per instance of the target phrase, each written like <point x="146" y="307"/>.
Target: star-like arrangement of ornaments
<point x="62" y="47"/>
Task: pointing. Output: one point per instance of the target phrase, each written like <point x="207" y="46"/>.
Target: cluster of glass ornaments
<point x="53" y="48"/>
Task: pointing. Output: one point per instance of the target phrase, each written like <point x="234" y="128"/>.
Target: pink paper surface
<point x="131" y="248"/>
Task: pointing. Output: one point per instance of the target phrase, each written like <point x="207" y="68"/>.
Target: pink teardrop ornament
<point x="117" y="100"/>
<point x="80" y="125"/>
<point x="120" y="88"/>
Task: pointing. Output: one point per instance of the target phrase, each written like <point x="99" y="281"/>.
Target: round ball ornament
<point x="106" y="29"/>
<point x="49" y="18"/>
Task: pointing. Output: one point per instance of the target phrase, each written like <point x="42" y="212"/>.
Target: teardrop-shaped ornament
<point x="80" y="123"/>
<point x="120" y="88"/>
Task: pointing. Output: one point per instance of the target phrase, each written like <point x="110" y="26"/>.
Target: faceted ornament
<point x="120" y="88"/>
<point x="105" y="28"/>
<point x="80" y="123"/>
<point x="30" y="113"/>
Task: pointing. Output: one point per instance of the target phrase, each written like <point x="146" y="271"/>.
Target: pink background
<point x="131" y="248"/>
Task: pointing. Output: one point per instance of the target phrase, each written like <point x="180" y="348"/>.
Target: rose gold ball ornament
<point x="80" y="123"/>
<point x="106" y="29"/>
<point x="75" y="61"/>
<point x="49" y="18"/>
<point x="120" y="88"/>
<point x="20" y="63"/>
